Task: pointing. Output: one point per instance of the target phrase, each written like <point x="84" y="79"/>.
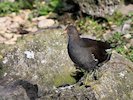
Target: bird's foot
<point x="93" y="75"/>
<point x="88" y="77"/>
<point x="80" y="77"/>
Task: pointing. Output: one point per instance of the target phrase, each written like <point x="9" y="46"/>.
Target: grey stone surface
<point x="99" y="8"/>
<point x="115" y="82"/>
<point x="42" y="59"/>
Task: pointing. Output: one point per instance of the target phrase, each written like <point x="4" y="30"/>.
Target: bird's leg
<point x="84" y="77"/>
<point x="89" y="77"/>
<point x="95" y="75"/>
<point x="92" y="75"/>
<point x="81" y="80"/>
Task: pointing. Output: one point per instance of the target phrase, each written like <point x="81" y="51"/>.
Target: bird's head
<point x="72" y="31"/>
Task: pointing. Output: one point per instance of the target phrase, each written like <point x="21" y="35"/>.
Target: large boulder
<point x="103" y="8"/>
<point x="115" y="82"/>
<point x="41" y="58"/>
<point x="38" y="64"/>
<point x="98" y="8"/>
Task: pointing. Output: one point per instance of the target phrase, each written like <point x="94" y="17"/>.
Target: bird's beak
<point x="64" y="32"/>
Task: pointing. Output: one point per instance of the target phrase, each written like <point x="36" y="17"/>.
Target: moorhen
<point x="84" y="52"/>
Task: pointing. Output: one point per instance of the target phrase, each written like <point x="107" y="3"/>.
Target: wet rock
<point x="45" y="23"/>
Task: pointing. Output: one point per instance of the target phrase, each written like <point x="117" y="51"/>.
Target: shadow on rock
<point x="31" y="89"/>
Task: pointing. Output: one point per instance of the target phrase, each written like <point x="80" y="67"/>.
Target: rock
<point x="12" y="40"/>
<point x="24" y="90"/>
<point x="98" y="8"/>
<point x="41" y="18"/>
<point x="3" y="19"/>
<point x="18" y="90"/>
<point x="2" y="39"/>
<point x="42" y="59"/>
<point x="126" y="26"/>
<point x="46" y="64"/>
<point x="32" y="29"/>
<point x="17" y="94"/>
<point x="126" y="9"/>
<point x="36" y="19"/>
<point x="36" y="59"/>
<point x="131" y="42"/>
<point x="8" y="35"/>
<point x="14" y="27"/>
<point x="18" y="19"/>
<point x="5" y="22"/>
<point x="45" y="23"/>
<point x="70" y="93"/>
<point x="127" y="36"/>
<point x="116" y="79"/>
<point x="24" y="14"/>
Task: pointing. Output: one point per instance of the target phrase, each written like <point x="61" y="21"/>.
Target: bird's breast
<point x="78" y="54"/>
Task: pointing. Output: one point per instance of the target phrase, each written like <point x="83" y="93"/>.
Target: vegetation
<point x="118" y="18"/>
<point x="38" y="7"/>
<point x="8" y="7"/>
<point x="117" y="39"/>
<point x="44" y="9"/>
<point x="90" y="26"/>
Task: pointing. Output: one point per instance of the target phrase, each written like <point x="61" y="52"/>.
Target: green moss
<point x="63" y="78"/>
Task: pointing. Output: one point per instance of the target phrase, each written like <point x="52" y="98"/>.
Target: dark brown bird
<point x="84" y="52"/>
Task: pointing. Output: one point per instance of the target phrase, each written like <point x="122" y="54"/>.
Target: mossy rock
<point x="41" y="58"/>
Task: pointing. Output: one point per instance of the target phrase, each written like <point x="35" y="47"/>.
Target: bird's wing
<point x="94" y="43"/>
